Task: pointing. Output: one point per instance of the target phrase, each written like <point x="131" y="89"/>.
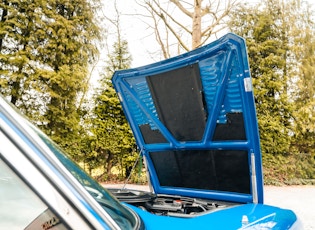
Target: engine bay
<point x="169" y="205"/>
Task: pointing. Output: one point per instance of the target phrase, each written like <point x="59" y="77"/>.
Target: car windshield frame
<point x="123" y="216"/>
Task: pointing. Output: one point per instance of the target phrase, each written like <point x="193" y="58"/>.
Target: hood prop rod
<point x="132" y="169"/>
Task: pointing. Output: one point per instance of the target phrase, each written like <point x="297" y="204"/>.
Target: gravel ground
<point x="300" y="199"/>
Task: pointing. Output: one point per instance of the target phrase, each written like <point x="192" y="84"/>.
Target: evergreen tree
<point x="17" y="50"/>
<point x="267" y="50"/>
<point x="303" y="144"/>
<point x="112" y="141"/>
<point x="45" y="50"/>
<point x="271" y="31"/>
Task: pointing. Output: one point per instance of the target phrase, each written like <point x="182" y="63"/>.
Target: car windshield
<point x="125" y="218"/>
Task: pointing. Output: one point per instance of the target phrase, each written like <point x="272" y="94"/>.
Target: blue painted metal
<point x="225" y="77"/>
<point x="227" y="87"/>
<point x="248" y="216"/>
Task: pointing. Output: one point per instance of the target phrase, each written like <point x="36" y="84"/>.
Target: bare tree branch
<point x="188" y="19"/>
<point x="173" y="19"/>
<point x="183" y="9"/>
<point x="161" y="16"/>
<point x="158" y="37"/>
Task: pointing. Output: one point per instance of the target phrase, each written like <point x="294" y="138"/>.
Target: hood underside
<point x="194" y="120"/>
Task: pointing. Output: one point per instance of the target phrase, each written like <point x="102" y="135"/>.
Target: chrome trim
<point x="35" y="150"/>
<point x="39" y="183"/>
<point x="254" y="179"/>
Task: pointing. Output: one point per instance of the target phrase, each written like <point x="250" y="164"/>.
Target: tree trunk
<point x="3" y="19"/>
<point x="196" y="25"/>
<point x="109" y="163"/>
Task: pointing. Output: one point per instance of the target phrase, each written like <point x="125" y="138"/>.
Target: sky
<point x="133" y="29"/>
<point x="142" y="44"/>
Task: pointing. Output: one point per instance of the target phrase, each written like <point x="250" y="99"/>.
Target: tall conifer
<point x="45" y="50"/>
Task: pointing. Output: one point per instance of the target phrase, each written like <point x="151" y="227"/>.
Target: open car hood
<point x="194" y="120"/>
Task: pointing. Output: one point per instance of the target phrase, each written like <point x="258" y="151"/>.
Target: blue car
<point x="194" y="120"/>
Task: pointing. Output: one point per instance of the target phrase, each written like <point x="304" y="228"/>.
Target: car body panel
<point x="70" y="199"/>
<point x="194" y="120"/>
<point x="248" y="216"/>
<point x="28" y="153"/>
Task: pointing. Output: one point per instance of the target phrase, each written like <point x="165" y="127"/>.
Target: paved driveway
<point x="300" y="199"/>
